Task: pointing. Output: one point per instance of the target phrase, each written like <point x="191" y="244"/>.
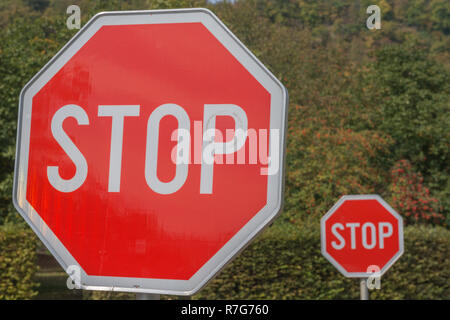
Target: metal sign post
<point x="147" y="296"/>
<point x="364" y="289"/>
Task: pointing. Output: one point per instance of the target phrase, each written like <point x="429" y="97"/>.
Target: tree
<point x="325" y="162"/>
<point x="410" y="197"/>
<point x="412" y="90"/>
<point x="38" y="5"/>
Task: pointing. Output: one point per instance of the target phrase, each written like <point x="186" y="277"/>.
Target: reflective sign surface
<point x="361" y="235"/>
<point x="131" y="160"/>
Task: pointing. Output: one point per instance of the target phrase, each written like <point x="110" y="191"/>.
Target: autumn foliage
<point x="327" y="163"/>
<point x="410" y="197"/>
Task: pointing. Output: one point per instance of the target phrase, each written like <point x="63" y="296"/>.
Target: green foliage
<point x="412" y="90"/>
<point x="429" y="15"/>
<point x="17" y="263"/>
<point x="415" y="108"/>
<point x="107" y="295"/>
<point x="286" y="263"/>
<point x="325" y="163"/>
<point x="38" y="5"/>
<point x="440" y="16"/>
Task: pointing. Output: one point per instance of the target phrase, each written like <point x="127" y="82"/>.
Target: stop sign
<point x="361" y="235"/>
<point x="150" y="150"/>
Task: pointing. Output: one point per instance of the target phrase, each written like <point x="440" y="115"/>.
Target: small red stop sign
<point x="361" y="235"/>
<point x="150" y="150"/>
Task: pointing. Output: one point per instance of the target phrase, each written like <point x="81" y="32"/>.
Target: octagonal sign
<point x="150" y="151"/>
<point x="362" y="235"/>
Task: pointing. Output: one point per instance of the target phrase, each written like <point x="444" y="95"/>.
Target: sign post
<point x="360" y="235"/>
<point x="150" y="151"/>
<point x="147" y="296"/>
<point x="364" y="295"/>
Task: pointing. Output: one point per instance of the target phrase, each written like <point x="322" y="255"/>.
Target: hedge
<point x="285" y="263"/>
<point x="18" y="262"/>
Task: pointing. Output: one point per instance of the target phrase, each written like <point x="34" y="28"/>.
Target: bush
<point x="286" y="263"/>
<point x="411" y="198"/>
<point x="18" y="263"/>
<point x="324" y="163"/>
<point x="412" y="89"/>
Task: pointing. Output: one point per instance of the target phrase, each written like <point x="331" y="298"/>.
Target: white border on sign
<point x="278" y="115"/>
<point x="323" y="235"/>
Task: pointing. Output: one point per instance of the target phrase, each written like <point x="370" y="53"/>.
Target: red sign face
<point x="112" y="157"/>
<point x="362" y="235"/>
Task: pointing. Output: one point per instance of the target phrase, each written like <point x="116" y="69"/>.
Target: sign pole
<point x="147" y="296"/>
<point x="364" y="290"/>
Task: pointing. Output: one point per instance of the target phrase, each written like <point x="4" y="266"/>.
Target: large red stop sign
<point x="150" y="150"/>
